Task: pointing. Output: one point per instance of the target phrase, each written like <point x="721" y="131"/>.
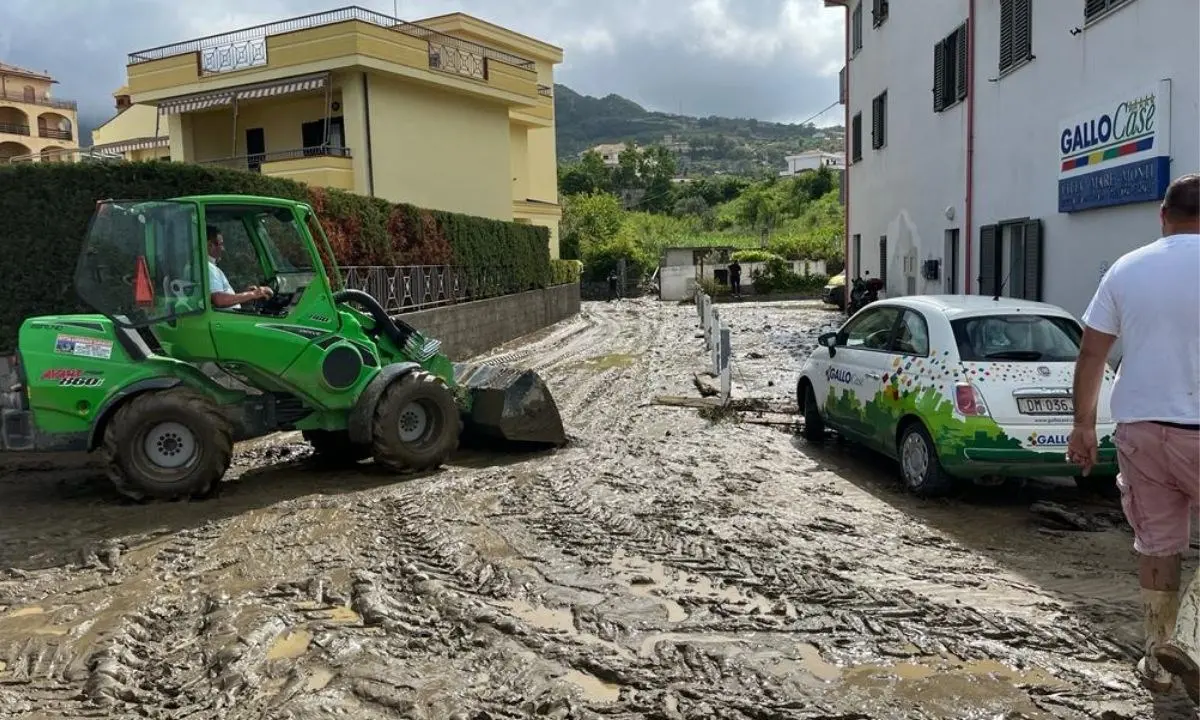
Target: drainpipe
<point x="970" y="200"/>
<point x="846" y="165"/>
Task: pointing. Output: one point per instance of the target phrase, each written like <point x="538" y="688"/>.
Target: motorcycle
<point x="863" y="293"/>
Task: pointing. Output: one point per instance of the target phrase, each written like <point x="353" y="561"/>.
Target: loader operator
<point x="1156" y="404"/>
<point x="222" y="293"/>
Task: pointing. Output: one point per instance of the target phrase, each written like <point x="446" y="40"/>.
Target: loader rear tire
<point x="167" y="445"/>
<point x="417" y="424"/>
<point x="334" y="447"/>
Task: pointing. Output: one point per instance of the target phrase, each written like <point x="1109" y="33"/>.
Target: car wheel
<point x="919" y="465"/>
<point x="814" y="424"/>
<point x="1101" y="485"/>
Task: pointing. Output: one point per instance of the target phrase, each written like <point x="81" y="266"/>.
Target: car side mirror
<point x="829" y="340"/>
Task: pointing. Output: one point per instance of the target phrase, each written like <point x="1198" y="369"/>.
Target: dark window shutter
<point x="1092" y="8"/>
<point x="1022" y="30"/>
<point x="1033" y="260"/>
<point x="989" y="236"/>
<point x="1006" y="33"/>
<point x="939" y="76"/>
<point x="879" y="121"/>
<point x="960" y="62"/>
<point x="883" y="261"/>
<point x="856" y="138"/>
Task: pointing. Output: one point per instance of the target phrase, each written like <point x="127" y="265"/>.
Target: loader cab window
<point x="137" y="264"/>
<point x="262" y="245"/>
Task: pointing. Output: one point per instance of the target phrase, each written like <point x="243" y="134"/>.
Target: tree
<point x="588" y="220"/>
<point x="626" y="175"/>
<point x="589" y="175"/>
<point x="656" y="167"/>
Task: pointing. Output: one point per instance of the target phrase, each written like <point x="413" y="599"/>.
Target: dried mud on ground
<point x="661" y="566"/>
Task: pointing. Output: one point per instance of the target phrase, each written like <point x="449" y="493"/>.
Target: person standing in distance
<point x="1150" y="299"/>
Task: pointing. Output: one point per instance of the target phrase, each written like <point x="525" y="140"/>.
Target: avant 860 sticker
<point x="72" y="377"/>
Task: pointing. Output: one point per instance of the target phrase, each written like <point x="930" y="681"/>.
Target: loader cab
<point x="147" y="265"/>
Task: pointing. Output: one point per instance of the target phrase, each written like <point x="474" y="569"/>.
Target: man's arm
<point x="228" y="299"/>
<point x="1089" y="374"/>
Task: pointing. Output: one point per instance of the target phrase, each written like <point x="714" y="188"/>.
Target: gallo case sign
<point x="1118" y="153"/>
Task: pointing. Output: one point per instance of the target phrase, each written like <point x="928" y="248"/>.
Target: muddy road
<point x="664" y="565"/>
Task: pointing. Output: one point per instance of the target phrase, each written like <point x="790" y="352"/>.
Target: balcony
<point x="325" y="166"/>
<point x="53" y="134"/>
<point x="32" y="99"/>
<point x="14" y="128"/>
<point x="329" y="37"/>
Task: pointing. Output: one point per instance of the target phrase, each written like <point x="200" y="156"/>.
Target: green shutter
<point x="1033" y="260"/>
<point x="989" y="246"/>
<point x="962" y="46"/>
<point x="939" y="76"/>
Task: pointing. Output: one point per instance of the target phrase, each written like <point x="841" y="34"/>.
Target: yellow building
<point x="451" y="113"/>
<point x="33" y="124"/>
<point x="134" y="133"/>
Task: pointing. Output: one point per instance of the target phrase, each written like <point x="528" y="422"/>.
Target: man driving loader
<point x="223" y="295"/>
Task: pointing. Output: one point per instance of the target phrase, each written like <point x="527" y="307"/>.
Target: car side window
<point x="870" y="331"/>
<point x="912" y="336"/>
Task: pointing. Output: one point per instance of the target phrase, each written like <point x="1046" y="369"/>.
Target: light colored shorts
<point x="1160" y="484"/>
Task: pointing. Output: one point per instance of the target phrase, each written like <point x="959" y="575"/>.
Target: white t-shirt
<point x="1150" y="298"/>
<point x="217" y="282"/>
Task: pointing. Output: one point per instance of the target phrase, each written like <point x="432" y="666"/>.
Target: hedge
<point x="565" y="272"/>
<point x="46" y="207"/>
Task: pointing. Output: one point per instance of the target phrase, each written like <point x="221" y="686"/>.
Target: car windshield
<point x="1017" y="338"/>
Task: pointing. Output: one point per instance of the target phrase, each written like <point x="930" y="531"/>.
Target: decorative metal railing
<point x="240" y="49"/>
<point x="34" y="99"/>
<point x="54" y="133"/>
<point x="405" y="288"/>
<point x="14" y="128"/>
<point x="254" y="162"/>
<point x="545" y="91"/>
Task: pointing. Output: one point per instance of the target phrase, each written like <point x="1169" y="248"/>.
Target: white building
<point x="812" y="160"/>
<point x="1029" y="159"/>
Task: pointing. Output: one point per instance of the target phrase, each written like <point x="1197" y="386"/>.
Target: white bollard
<point x="715" y="346"/>
<point x="726" y="364"/>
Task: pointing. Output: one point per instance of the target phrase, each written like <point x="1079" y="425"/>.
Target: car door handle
<point x="873" y="376"/>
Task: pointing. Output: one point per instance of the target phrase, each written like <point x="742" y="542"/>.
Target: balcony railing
<point x="545" y="91"/>
<point x="406" y="288"/>
<point x="38" y="100"/>
<point x="54" y="134"/>
<point x="247" y="48"/>
<point x="14" y="128"/>
<point x="254" y="162"/>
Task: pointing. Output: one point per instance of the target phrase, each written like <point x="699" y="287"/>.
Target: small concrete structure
<point x="681" y="270"/>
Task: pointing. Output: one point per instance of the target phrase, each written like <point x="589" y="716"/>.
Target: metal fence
<point x="406" y="288"/>
<point x="718" y="342"/>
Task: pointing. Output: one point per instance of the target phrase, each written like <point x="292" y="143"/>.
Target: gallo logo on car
<point x="839" y="375"/>
<point x="1042" y="440"/>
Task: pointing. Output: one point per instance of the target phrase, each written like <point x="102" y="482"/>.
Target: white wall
<point x="902" y="190"/>
<point x="1018" y="118"/>
<point x="677" y="282"/>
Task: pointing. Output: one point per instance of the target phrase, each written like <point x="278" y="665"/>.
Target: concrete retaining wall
<point x="467" y="329"/>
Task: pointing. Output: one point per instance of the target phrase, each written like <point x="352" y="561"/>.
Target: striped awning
<point x="257" y="91"/>
<point x="142" y="143"/>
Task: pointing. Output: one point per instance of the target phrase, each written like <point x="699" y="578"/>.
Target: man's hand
<point x="260" y="292"/>
<point x="1082" y="448"/>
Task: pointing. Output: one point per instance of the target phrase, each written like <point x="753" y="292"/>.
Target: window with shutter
<point x="1032" y="269"/>
<point x="1016" y="32"/>
<point x="856" y="248"/>
<point x="961" y="46"/>
<point x="856" y="28"/>
<point x="1093" y="9"/>
<point x="879" y="12"/>
<point x="856" y="137"/>
<point x="883" y="261"/>
<point x="989" y="261"/>
<point x="939" y="76"/>
<point x="879" y="120"/>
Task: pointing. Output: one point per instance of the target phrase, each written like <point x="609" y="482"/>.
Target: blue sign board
<point x="1143" y="181"/>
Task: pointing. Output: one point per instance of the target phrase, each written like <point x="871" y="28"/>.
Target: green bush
<point x="750" y="256"/>
<point x="46" y="207"/>
<point x="565" y="272"/>
<point x="778" y="277"/>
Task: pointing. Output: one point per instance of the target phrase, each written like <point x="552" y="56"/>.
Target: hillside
<point x="705" y="145"/>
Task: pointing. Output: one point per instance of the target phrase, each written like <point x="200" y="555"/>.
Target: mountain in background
<point x="705" y="146"/>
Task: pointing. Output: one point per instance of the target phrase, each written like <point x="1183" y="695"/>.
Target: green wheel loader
<point x="162" y="381"/>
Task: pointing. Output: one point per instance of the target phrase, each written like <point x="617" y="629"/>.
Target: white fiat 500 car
<point x="955" y="386"/>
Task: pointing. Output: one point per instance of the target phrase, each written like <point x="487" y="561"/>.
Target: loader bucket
<point x="509" y="405"/>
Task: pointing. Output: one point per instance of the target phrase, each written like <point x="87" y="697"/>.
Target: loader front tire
<point x="416" y="425"/>
<point x="167" y="445"/>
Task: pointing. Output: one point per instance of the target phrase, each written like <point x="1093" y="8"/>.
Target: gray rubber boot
<point x="1159" y="611"/>
<point x="1179" y="654"/>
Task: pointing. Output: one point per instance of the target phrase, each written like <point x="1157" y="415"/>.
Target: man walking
<point x="1150" y="299"/>
<point x="735" y="278"/>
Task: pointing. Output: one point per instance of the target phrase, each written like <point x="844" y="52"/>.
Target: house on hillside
<point x="34" y="125"/>
<point x="610" y="153"/>
<point x="811" y="160"/>
<point x="450" y="113"/>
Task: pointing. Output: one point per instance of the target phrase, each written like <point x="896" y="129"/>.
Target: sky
<point x="768" y="59"/>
